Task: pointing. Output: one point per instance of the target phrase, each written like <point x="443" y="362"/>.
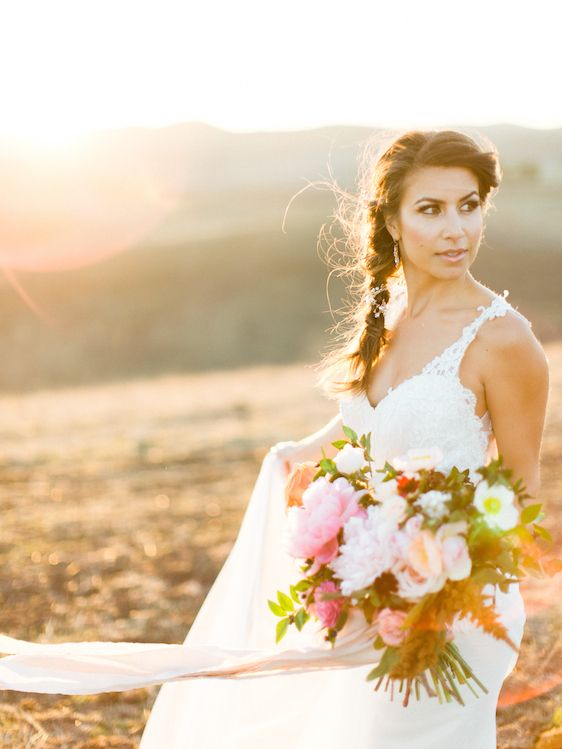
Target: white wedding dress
<point x="301" y="693"/>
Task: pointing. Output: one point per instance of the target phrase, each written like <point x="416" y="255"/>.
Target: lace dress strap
<point x="449" y="361"/>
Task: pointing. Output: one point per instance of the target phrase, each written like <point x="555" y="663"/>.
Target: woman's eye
<point x="472" y="204"/>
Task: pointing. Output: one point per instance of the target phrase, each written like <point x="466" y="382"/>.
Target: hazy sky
<point x="253" y="64"/>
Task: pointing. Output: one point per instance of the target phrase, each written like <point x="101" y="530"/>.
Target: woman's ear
<point x="392" y="229"/>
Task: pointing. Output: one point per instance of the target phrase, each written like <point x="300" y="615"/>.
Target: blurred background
<point x="163" y="292"/>
<point x="148" y="251"/>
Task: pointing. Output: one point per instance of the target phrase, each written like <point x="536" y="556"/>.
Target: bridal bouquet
<point x="413" y="548"/>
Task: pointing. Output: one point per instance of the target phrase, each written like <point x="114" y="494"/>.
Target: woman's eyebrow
<point x="435" y="200"/>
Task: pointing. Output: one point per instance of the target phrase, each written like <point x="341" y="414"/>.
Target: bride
<point x="431" y="356"/>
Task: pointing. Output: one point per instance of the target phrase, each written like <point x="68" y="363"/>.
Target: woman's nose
<point x="453" y="224"/>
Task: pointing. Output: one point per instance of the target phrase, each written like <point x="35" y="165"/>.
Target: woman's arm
<point x="516" y="383"/>
<point x="310" y="447"/>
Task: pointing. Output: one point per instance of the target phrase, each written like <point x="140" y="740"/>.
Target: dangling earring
<point x="396" y="253"/>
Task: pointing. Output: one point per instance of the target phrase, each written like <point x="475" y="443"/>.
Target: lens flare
<point x="70" y="209"/>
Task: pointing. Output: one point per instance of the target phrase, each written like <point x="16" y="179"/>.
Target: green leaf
<point x="342" y="618"/>
<point x="524" y="534"/>
<point x="328" y="465"/>
<point x="486" y="575"/>
<point x="378" y="643"/>
<point x="389" y="658"/>
<point x="374" y="598"/>
<point x="285" y="601"/>
<point x="543" y="533"/>
<point x="348" y="431"/>
<point x="303" y="585"/>
<point x="338" y="444"/>
<point x="530" y="513"/>
<point x="300" y="619"/>
<point x="281" y="629"/>
<point x="277" y="610"/>
<point x="294" y="594"/>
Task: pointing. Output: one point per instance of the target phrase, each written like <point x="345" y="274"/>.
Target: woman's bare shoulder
<point x="509" y="341"/>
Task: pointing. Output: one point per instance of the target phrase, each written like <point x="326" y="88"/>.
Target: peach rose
<point x="298" y="480"/>
<point x="425" y="554"/>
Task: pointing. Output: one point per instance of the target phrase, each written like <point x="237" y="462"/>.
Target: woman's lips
<point x="452" y="256"/>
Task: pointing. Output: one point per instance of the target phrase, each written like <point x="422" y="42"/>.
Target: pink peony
<point x="329" y="610"/>
<point x="390" y="623"/>
<point x="326" y="507"/>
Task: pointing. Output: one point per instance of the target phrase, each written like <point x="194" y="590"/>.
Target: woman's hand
<point x="298" y="470"/>
<point x="288" y="452"/>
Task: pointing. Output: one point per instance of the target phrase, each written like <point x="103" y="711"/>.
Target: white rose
<point x="496" y="503"/>
<point x="350" y="459"/>
<point x="394" y="508"/>
<point x="385" y="490"/>
<point x="418" y="458"/>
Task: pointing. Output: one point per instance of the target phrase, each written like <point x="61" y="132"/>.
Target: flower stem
<point x="468" y="671"/>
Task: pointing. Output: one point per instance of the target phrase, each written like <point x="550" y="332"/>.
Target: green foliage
<point x="530" y="513"/>
<point x="285" y="602"/>
<point x="339" y="444"/>
<point x="328" y="465"/>
<point x="388" y="660"/>
<point x="543" y="533"/>
<point x="294" y="594"/>
<point x="301" y="617"/>
<point x="277" y="610"/>
<point x="342" y="618"/>
<point x="281" y="629"/>
<point x="350" y="434"/>
<point x="488" y="574"/>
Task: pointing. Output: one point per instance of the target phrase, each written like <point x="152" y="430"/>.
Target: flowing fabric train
<point x="232" y="637"/>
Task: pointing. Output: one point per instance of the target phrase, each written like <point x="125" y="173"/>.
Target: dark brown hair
<point x="370" y="246"/>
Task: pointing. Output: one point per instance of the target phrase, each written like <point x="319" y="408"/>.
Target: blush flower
<point x="328" y="610"/>
<point x="298" y="480"/>
<point x="365" y="553"/>
<point x="312" y="528"/>
<point x="457" y="563"/>
<point x="412" y="586"/>
<point x="389" y="626"/>
<point x="425" y="555"/>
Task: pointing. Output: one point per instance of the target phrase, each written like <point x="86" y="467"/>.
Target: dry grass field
<point x="116" y="518"/>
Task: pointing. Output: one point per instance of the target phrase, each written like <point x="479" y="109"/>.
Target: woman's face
<point x="440" y="210"/>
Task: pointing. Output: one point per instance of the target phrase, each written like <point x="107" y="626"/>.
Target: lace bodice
<point x="431" y="408"/>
